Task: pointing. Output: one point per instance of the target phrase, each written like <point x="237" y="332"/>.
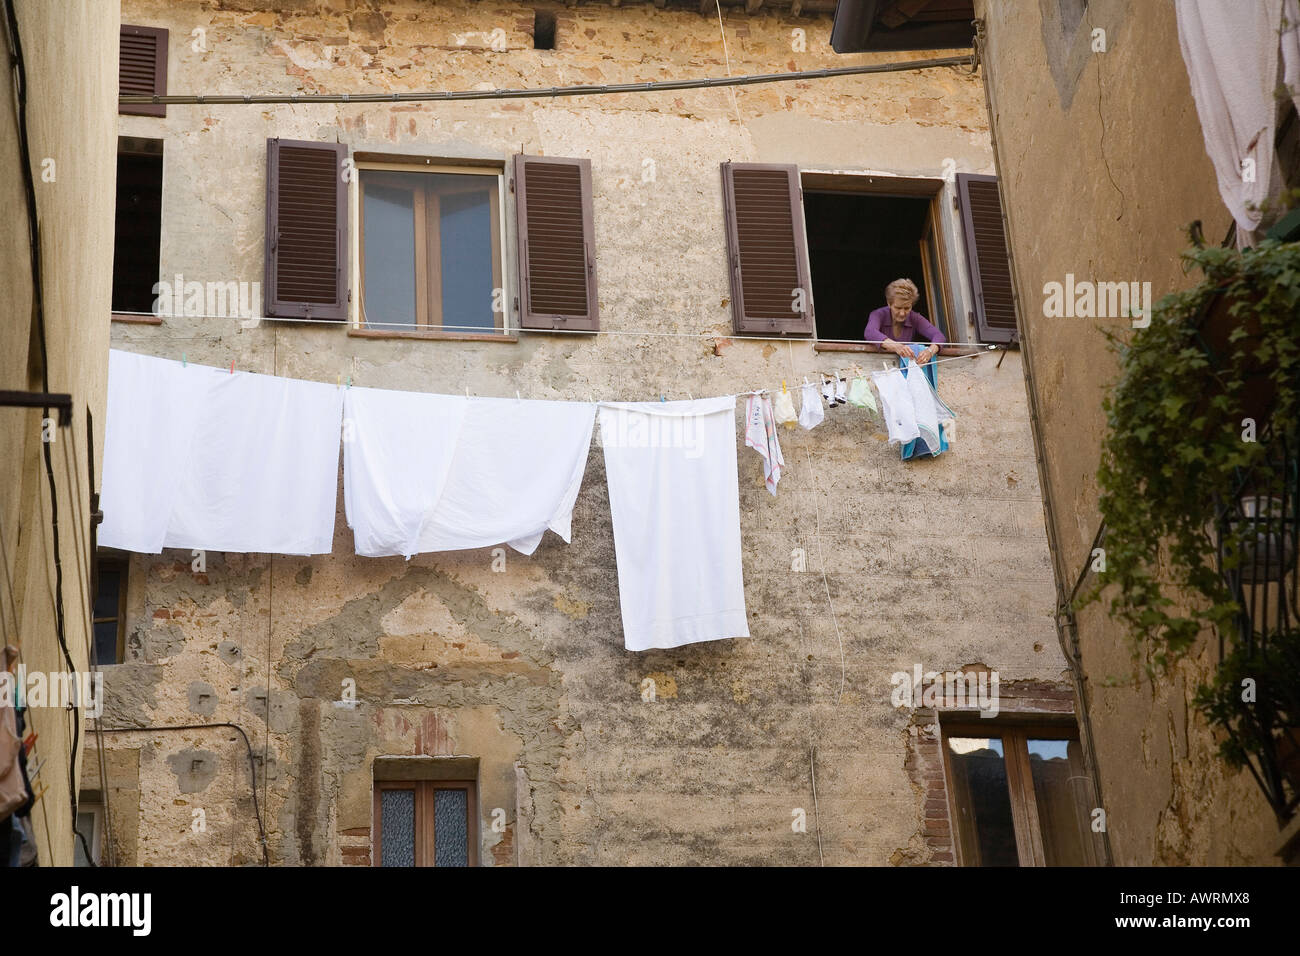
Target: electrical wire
<point x="654" y="86"/>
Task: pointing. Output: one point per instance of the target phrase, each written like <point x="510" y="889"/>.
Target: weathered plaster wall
<point x="1103" y="166"/>
<point x="70" y="53"/>
<point x="942" y="563"/>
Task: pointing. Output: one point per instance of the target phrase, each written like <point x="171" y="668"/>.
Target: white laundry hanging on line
<point x="911" y="407"/>
<point x="674" y="500"/>
<point x="425" y="473"/>
<point x="1231" y="50"/>
<point x="263" y="468"/>
<point x="153" y="407"/>
<point x="811" y="412"/>
<point x="760" y="435"/>
<point x="196" y="457"/>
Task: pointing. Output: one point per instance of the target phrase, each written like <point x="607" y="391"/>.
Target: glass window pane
<point x="389" y="223"/>
<point x="106" y="643"/>
<point x="1060" y="790"/>
<point x="982" y="802"/>
<point x="397" y="818"/>
<point x="450" y="828"/>
<point x="466" y="253"/>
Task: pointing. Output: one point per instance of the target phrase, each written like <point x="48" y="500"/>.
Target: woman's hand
<point x="931" y="351"/>
<point x="898" y="348"/>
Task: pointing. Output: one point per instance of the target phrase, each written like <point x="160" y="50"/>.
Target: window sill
<point x="952" y="348"/>
<point x="132" y="319"/>
<point x="445" y="336"/>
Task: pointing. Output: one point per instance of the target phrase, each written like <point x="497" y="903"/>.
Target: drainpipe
<point x="1067" y="630"/>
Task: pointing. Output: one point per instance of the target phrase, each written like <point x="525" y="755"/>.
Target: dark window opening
<point x="857" y="245"/>
<point x="109" y="619"/>
<point x="543" y="30"/>
<point x="137" y="231"/>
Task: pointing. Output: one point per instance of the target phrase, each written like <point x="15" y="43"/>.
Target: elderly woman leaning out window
<point x="895" y="325"/>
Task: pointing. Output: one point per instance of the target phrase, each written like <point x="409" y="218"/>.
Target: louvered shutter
<point x="142" y="68"/>
<point x="306" y="230"/>
<point x="767" y="249"/>
<point x="557" y="262"/>
<point x="986" y="252"/>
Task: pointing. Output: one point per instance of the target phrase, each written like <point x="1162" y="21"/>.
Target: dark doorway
<point x="858" y="243"/>
<point x="137" y="235"/>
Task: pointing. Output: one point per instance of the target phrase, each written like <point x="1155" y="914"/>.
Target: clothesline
<point x="251" y="323"/>
<point x="772" y="390"/>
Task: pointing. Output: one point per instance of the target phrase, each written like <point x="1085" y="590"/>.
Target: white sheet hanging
<point x="896" y="406"/>
<point x="425" y="473"/>
<point x="198" y="458"/>
<point x="1231" y="50"/>
<point x="262" y="474"/>
<point x="149" y="423"/>
<point x="397" y="452"/>
<point x="674" y="500"/>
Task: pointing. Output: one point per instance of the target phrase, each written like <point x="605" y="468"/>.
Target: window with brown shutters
<point x="986" y="253"/>
<point x="306" y="230"/>
<point x="142" y="68"/>
<point x="771" y="293"/>
<point x="557" y="262"/>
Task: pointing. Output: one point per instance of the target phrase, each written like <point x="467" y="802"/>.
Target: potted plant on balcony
<point x="1217" y="369"/>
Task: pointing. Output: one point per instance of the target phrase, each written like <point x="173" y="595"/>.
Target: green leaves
<point x="1175" y="450"/>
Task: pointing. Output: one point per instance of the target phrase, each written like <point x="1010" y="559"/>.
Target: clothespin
<point x="662" y="399"/>
<point x="467" y="391"/>
<point x="349" y="381"/>
<point x="232" y="366"/>
<point x="517" y="398"/>
<point x="783" y="389"/>
<point x="338" y="380"/>
<point x="184" y="364"/>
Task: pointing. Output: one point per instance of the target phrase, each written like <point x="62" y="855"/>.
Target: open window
<point x="137" y="224"/>
<point x="863" y="233"/>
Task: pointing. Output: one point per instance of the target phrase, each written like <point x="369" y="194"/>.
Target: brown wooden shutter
<point x="766" y="248"/>
<point x="306" y="230"/>
<point x="557" y="261"/>
<point x="986" y="252"/>
<point x="142" y="68"/>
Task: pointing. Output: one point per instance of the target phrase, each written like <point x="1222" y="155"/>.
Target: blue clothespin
<point x="662" y="399"/>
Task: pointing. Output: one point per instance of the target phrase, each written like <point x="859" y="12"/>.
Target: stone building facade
<point x="509" y="672"/>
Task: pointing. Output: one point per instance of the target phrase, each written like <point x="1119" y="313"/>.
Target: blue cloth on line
<point x="910" y="450"/>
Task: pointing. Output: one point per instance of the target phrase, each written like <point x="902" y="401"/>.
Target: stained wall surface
<point x="1103" y="168"/>
<point x="860" y="566"/>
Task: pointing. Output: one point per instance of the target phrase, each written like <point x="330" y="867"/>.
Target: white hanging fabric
<point x="1231" y="51"/>
<point x="811" y="412"/>
<point x="760" y="435"/>
<point x="262" y="474"/>
<point x="198" y="458"/>
<point x="674" y="500"/>
<point x="425" y="473"/>
<point x="153" y="406"/>
<point x="912" y="409"/>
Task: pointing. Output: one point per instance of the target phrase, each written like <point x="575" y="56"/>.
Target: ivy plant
<point x="1176" y="442"/>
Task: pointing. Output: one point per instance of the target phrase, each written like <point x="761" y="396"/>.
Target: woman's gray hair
<point x="902" y="289"/>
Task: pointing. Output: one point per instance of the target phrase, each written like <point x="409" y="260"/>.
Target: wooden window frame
<point x="1015" y="737"/>
<point x="424" y="828"/>
<point x="124" y="565"/>
<point x="159" y="36"/>
<point x="428" y="299"/>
